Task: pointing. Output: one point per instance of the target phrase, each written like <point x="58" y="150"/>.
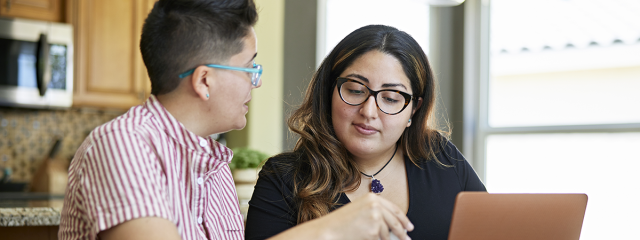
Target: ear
<point x="417" y="106"/>
<point x="415" y="109"/>
<point x="201" y="81"/>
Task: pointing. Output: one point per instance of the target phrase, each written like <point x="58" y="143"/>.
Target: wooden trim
<point x="50" y="11"/>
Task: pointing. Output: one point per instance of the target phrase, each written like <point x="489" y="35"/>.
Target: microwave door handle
<point x="43" y="68"/>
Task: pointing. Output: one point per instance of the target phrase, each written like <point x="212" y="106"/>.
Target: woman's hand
<point x="368" y="217"/>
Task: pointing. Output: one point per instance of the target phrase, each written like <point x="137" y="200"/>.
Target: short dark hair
<point x="182" y="34"/>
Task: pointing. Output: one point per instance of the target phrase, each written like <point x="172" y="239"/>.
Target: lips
<point x="246" y="105"/>
<point x="365" y="129"/>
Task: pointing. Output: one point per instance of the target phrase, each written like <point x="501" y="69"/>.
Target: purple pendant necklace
<point x="376" y="186"/>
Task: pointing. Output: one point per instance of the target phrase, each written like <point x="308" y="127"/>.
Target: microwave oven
<point x="36" y="63"/>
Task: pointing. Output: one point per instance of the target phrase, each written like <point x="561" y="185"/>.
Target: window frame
<point x="476" y="93"/>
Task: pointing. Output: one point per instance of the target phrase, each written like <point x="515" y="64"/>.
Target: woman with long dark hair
<point x="367" y="131"/>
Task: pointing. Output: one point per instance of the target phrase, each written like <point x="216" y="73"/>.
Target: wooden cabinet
<point x="109" y="71"/>
<point x="29" y="232"/>
<point x="108" y="67"/>
<point x="46" y="10"/>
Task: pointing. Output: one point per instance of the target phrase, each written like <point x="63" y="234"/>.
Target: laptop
<point x="481" y="215"/>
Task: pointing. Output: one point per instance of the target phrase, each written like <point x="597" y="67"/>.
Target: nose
<point x="369" y="108"/>
<point x="259" y="83"/>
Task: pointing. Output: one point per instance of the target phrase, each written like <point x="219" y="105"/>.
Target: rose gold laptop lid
<point x="481" y="215"/>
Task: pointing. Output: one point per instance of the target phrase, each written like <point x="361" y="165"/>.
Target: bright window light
<point x="602" y="165"/>
<point x="557" y="66"/>
<point x="338" y="18"/>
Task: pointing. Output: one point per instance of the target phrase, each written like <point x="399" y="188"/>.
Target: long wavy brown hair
<point x="324" y="167"/>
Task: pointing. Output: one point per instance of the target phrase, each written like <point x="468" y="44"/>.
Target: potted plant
<point x="244" y="168"/>
<point x="244" y="164"/>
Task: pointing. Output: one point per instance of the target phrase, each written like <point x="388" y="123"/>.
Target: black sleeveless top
<point x="432" y="192"/>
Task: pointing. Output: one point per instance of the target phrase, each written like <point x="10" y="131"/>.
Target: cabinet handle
<point x="8" y="5"/>
<point x="43" y="69"/>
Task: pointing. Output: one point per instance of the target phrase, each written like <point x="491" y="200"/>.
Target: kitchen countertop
<point x="30" y="209"/>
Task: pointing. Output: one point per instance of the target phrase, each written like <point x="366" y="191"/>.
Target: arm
<point x="467" y="176"/>
<point x="122" y="187"/>
<point x="272" y="211"/>
<point x="471" y="179"/>
<point x="142" y="228"/>
<point x="369" y="217"/>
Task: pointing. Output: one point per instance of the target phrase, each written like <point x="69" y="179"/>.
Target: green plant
<point x="246" y="158"/>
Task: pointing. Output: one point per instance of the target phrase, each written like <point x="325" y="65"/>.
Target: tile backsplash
<point x="27" y="136"/>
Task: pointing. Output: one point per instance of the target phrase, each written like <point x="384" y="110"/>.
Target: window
<point x="338" y="18"/>
<point x="559" y="104"/>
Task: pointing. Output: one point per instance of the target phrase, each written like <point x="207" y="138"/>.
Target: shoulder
<point x="128" y="136"/>
<point x="281" y="166"/>
<point x="449" y="154"/>
<point x="457" y="166"/>
<point x="446" y="157"/>
<point x="136" y="120"/>
<point x="137" y="130"/>
<point x="443" y="153"/>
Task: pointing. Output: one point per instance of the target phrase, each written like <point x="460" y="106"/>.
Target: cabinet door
<point x="109" y="72"/>
<point x="46" y="10"/>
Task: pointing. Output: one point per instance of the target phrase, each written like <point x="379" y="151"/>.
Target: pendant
<point x="376" y="186"/>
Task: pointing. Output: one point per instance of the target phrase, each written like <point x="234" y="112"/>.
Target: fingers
<point x="394" y="225"/>
<point x="384" y="232"/>
<point x="398" y="214"/>
<point x="389" y="217"/>
<point x="394" y="237"/>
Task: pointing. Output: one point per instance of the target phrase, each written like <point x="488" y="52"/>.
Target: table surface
<point x="30" y="209"/>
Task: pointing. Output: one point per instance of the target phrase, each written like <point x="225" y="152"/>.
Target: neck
<point x="188" y="111"/>
<point x="372" y="164"/>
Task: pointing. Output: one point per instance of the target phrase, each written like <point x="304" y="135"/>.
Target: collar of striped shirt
<point x="177" y="131"/>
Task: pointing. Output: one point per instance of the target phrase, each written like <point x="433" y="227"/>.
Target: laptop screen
<point x="481" y="215"/>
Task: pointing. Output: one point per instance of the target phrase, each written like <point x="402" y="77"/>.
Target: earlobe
<point x="200" y="82"/>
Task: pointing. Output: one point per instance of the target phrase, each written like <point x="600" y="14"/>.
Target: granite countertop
<point x="30" y="209"/>
<point x="36" y="216"/>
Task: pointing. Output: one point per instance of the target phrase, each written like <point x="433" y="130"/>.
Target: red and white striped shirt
<point x="147" y="164"/>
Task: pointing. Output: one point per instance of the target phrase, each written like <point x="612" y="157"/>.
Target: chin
<point x="361" y="148"/>
<point x="241" y="124"/>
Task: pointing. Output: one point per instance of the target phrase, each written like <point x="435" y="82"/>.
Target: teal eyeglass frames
<point x="256" y="71"/>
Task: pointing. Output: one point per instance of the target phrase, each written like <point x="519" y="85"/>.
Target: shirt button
<point x="200" y="181"/>
<point x="203" y="143"/>
<point x="199" y="220"/>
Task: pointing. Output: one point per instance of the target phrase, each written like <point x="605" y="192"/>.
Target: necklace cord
<point x="385" y="165"/>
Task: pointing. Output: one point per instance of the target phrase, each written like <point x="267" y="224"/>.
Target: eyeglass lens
<point x="388" y="101"/>
<point x="256" y="77"/>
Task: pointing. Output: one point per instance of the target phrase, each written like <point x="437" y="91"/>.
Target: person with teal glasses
<point x="155" y="172"/>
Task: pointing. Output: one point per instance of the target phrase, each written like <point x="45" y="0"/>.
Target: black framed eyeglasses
<point x="389" y="101"/>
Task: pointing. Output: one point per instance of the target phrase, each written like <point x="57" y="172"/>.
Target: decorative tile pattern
<point x="44" y="216"/>
<point x="27" y="135"/>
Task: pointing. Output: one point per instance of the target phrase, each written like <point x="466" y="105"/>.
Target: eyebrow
<point x="385" y="85"/>
<point x="254" y="57"/>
